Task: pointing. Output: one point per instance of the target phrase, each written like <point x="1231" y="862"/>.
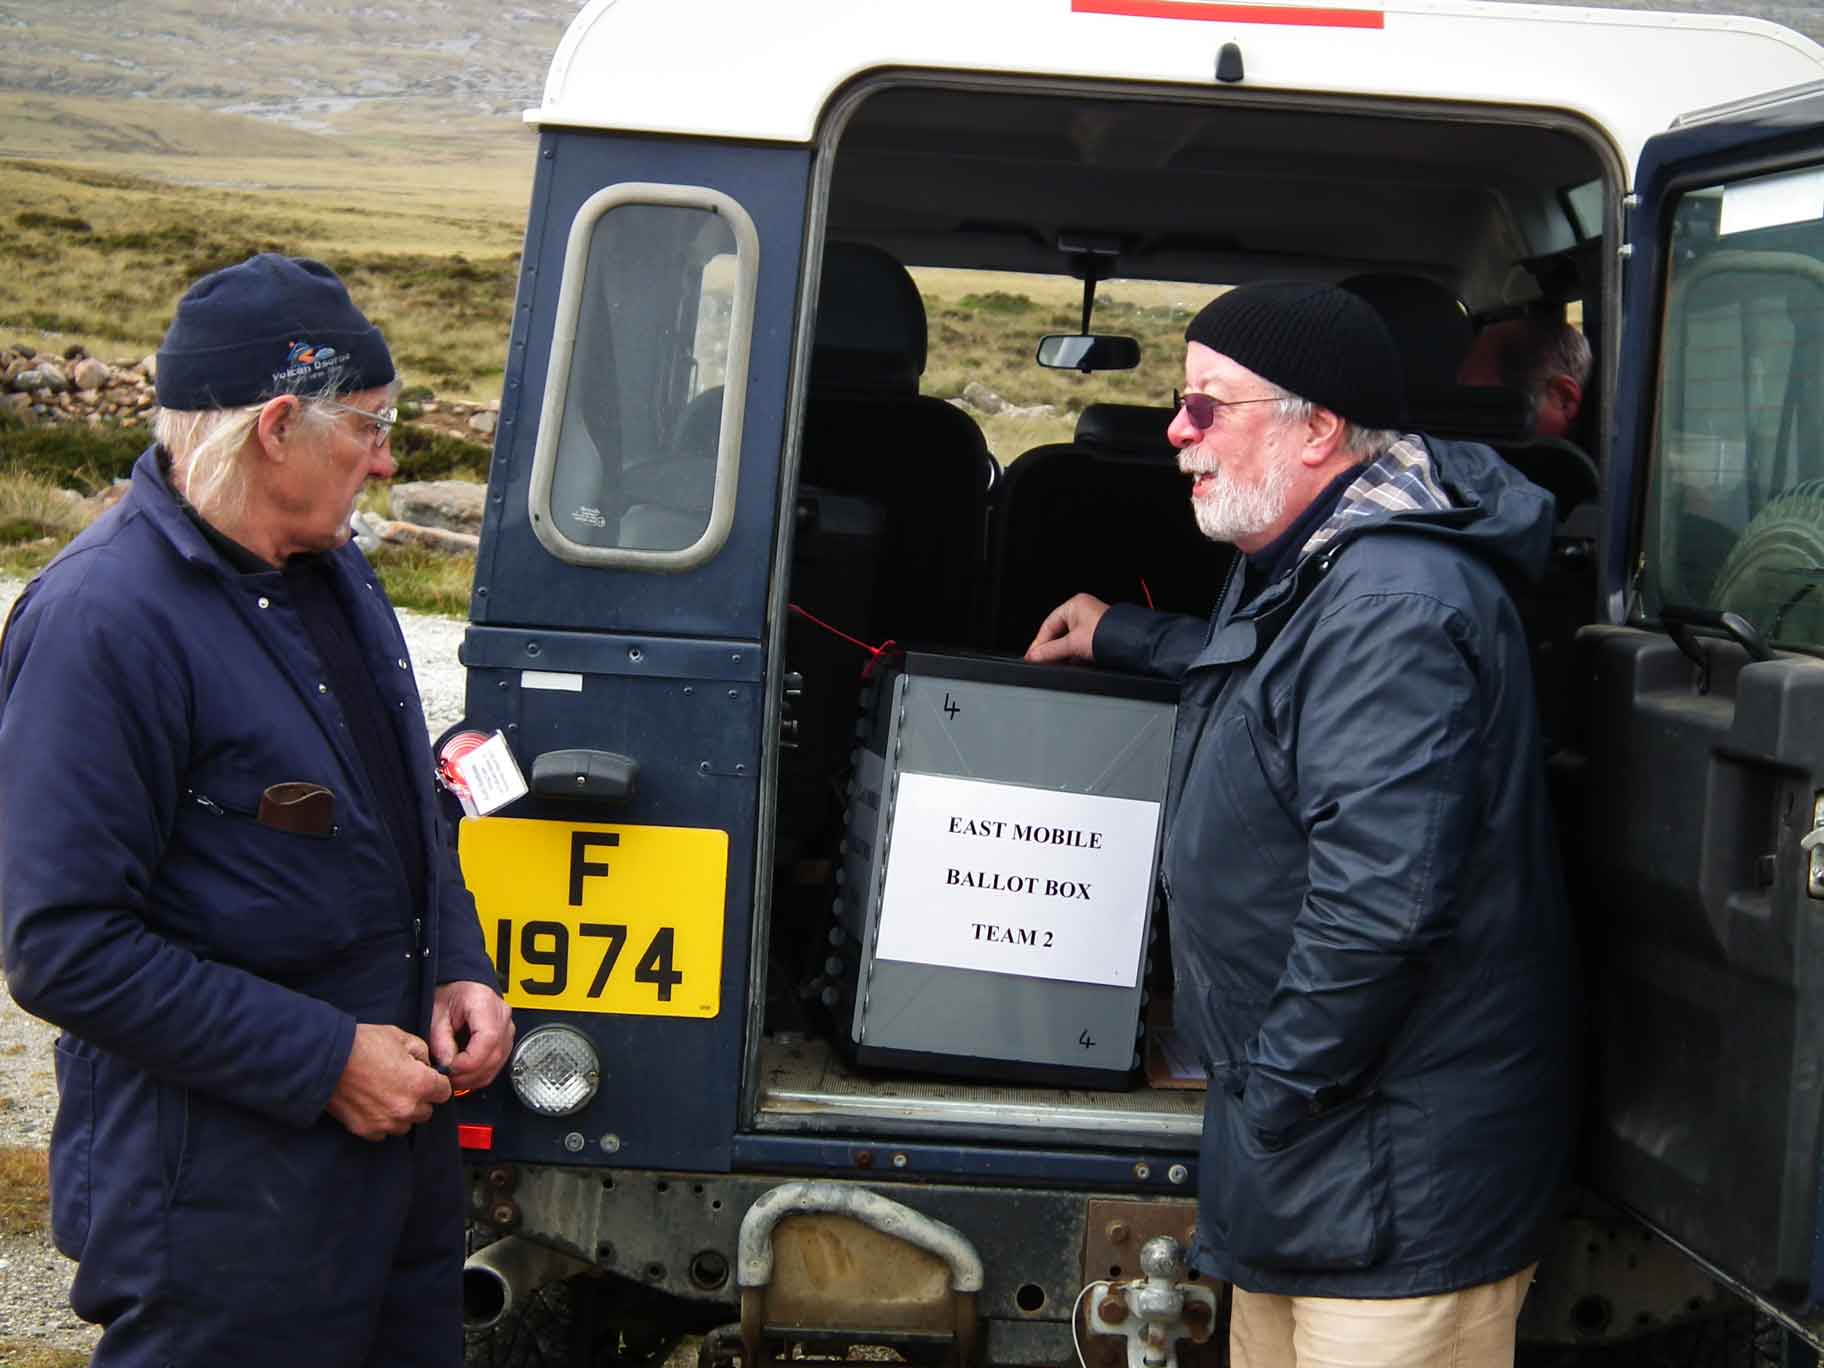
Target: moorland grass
<point x="17" y="1353"/>
<point x="37" y="521"/>
<point x="101" y="265"/>
<point x="25" y="1190"/>
<point x="67" y="455"/>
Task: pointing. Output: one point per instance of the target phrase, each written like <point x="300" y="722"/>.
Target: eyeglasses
<point x="379" y="421"/>
<point x="1202" y="410"/>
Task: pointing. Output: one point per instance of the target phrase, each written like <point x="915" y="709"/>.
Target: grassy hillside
<point x="96" y="255"/>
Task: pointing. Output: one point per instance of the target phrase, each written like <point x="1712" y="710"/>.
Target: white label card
<point x="1018" y="880"/>
<point x="492" y="775"/>
<point x="1772" y="202"/>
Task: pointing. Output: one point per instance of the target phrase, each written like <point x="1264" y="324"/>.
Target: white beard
<point x="1226" y="509"/>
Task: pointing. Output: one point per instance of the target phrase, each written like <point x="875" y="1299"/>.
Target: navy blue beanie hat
<point x="268" y="326"/>
<point x="1320" y="342"/>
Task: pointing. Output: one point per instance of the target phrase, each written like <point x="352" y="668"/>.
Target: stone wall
<point x="74" y="387"/>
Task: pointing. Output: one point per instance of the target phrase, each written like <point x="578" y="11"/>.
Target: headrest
<point x="870" y="322"/>
<point x="1429" y="325"/>
<point x="1126" y="430"/>
<point x="1480" y="413"/>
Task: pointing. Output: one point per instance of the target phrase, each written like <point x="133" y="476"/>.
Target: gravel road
<point x="34" y="1278"/>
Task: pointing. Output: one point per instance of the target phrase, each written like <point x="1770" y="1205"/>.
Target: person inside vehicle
<point x="223" y="873"/>
<point x="1385" y="1026"/>
<point x="1545" y="359"/>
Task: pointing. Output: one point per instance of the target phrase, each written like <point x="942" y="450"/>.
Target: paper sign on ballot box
<point x="1017" y="880"/>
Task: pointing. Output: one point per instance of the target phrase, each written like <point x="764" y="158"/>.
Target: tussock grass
<point x="16" y="1353"/>
<point x="68" y="455"/>
<point x="32" y="508"/>
<point x="25" y="1190"/>
<point x="36" y="521"/>
<point x="426" y="581"/>
<point x="423" y="453"/>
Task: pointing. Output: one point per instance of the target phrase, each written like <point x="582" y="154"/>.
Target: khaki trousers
<point x="1472" y="1328"/>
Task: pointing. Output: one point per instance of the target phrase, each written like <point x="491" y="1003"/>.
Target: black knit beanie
<point x="1316" y="341"/>
<point x="268" y="326"/>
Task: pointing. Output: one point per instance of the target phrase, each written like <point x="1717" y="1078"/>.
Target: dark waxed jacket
<point x="1367" y="918"/>
<point x="208" y="969"/>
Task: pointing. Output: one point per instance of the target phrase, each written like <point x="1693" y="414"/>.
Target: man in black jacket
<point x="1368" y="922"/>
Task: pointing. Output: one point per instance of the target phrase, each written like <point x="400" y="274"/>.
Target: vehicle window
<point x="638" y="442"/>
<point x="985" y="325"/>
<point x="1736" y="495"/>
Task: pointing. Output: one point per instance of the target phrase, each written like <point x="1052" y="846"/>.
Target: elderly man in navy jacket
<point x="222" y="873"/>
<point x="1368" y="927"/>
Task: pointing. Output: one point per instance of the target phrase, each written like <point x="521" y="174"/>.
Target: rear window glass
<point x="638" y="443"/>
<point x="1735" y="518"/>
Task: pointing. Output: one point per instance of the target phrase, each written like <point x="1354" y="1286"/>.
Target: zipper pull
<point x="205" y="802"/>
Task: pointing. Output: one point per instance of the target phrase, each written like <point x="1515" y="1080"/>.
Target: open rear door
<point x="1703" y="878"/>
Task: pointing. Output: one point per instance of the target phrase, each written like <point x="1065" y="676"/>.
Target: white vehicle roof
<point x="765" y="69"/>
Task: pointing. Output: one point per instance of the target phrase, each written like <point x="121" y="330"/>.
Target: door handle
<point x="599" y="776"/>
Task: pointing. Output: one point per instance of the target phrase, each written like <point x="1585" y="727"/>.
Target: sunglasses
<point x="1202" y="410"/>
<point x="379" y="422"/>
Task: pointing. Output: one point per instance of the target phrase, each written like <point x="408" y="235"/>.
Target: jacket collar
<point x="1398" y="482"/>
<point x="159" y="503"/>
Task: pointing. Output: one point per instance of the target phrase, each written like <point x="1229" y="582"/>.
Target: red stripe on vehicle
<point x="1303" y="16"/>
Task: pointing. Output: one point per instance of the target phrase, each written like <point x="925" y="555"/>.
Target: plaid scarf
<point x="1399" y="480"/>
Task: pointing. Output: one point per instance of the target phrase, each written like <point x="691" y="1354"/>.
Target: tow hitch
<point x="1156" y="1311"/>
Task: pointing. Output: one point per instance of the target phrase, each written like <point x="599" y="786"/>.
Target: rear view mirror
<point x="1088" y="352"/>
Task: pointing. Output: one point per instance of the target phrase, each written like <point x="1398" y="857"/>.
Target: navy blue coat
<point x="1367" y="917"/>
<point x="209" y="971"/>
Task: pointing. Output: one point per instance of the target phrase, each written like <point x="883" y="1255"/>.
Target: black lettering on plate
<point x="581" y="867"/>
<point x="655" y="965"/>
<point x="616" y="936"/>
<point x="556" y="959"/>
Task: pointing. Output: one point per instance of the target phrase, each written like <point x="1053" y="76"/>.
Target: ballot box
<point x="1000" y="866"/>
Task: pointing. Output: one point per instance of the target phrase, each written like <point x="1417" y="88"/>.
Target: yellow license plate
<point x="579" y="918"/>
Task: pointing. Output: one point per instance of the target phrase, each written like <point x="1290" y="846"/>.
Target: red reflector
<point x="475" y="1137"/>
<point x="1305" y="16"/>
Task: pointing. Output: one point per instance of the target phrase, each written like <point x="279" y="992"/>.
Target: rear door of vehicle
<point x="619" y="609"/>
<point x="1701" y="890"/>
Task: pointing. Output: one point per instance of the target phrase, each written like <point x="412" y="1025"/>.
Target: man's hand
<point x="1069" y="632"/>
<point x="388" y="1085"/>
<point x="489" y="1021"/>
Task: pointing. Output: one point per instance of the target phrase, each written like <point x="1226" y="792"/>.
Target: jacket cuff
<point x="340" y="1045"/>
<point x="1124" y="638"/>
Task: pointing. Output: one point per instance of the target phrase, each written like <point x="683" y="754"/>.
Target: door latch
<point x="1812" y="843"/>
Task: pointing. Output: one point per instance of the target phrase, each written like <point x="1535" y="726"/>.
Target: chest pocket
<point x="1233" y="808"/>
<point x="253" y="894"/>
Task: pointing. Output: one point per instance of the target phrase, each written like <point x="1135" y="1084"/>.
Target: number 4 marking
<point x="655" y="965"/>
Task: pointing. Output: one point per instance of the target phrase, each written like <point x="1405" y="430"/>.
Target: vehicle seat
<point x="1106" y="514"/>
<point x="1433" y="332"/>
<point x="1430" y="327"/>
<point x="868" y="431"/>
<point x="668" y="500"/>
